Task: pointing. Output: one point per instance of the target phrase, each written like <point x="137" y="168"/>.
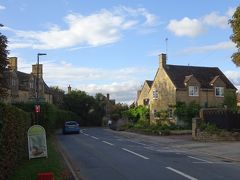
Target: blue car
<point x="70" y="127"/>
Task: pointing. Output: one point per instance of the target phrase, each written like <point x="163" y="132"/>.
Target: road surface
<point x="100" y="154"/>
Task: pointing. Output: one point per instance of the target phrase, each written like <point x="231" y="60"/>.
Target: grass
<point x="29" y="169"/>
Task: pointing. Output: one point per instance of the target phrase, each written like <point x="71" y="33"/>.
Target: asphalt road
<point x="99" y="154"/>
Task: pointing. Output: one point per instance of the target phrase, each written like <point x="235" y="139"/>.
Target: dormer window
<point x="219" y="91"/>
<point x="193" y="90"/>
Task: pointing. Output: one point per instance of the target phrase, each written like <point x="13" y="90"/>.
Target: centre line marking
<point x="94" y="137"/>
<point x="135" y="153"/>
<point x="200" y="159"/>
<point x="181" y="173"/>
<point x="108" y="143"/>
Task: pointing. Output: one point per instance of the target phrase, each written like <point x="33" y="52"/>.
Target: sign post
<point x="37" y="144"/>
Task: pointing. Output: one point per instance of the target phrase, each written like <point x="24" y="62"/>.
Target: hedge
<point x="14" y="124"/>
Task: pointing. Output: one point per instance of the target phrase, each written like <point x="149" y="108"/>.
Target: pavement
<point x="227" y="151"/>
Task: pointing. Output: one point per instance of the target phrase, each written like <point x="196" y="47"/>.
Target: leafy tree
<point x="58" y="95"/>
<point x="230" y="100"/>
<point x="85" y="106"/>
<point x="3" y="62"/>
<point x="186" y="112"/>
<point x="117" y="111"/>
<point x="235" y="37"/>
<point x="137" y="113"/>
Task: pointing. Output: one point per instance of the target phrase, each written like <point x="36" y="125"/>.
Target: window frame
<point x="195" y="92"/>
<point x="170" y="113"/>
<point x="155" y="94"/>
<point x="221" y="91"/>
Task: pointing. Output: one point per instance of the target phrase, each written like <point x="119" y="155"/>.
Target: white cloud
<point x="214" y="19"/>
<point x="2" y="7"/>
<point x="196" y="26"/>
<point x="212" y="47"/>
<point x="101" y="28"/>
<point x="186" y="27"/>
<point x="124" y="92"/>
<point x="234" y="77"/>
<point x="122" y="83"/>
<point x="230" y="11"/>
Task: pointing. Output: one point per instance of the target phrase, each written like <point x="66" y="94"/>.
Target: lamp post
<point x="37" y="107"/>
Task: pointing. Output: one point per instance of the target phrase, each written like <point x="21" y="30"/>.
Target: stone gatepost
<point x="196" y="122"/>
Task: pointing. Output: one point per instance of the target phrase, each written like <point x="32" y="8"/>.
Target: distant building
<point x="172" y="83"/>
<point x="22" y="87"/>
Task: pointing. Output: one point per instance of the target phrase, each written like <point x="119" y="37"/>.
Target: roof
<point x="23" y="79"/>
<point x="204" y="75"/>
<point x="149" y="83"/>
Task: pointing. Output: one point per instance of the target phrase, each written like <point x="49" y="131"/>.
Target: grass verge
<point x="29" y="169"/>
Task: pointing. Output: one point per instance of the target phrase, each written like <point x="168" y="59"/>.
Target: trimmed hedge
<point x="14" y="124"/>
<point x="50" y="117"/>
<point x="13" y="138"/>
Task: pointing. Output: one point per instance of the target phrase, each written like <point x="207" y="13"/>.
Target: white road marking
<point x="205" y="161"/>
<point x="94" y="137"/>
<point x="135" y="153"/>
<point x="181" y="173"/>
<point x="139" y="143"/>
<point x="212" y="162"/>
<point x="108" y="143"/>
<point x="86" y="134"/>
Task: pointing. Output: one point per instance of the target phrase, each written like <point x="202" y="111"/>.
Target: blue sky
<point x="113" y="46"/>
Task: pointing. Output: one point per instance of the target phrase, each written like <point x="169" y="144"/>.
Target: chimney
<point x="108" y="97"/>
<point x="12" y="63"/>
<point x="162" y="60"/>
<point x="69" y="89"/>
<point x="35" y="69"/>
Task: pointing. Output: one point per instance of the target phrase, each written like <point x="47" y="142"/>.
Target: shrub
<point x="210" y="128"/>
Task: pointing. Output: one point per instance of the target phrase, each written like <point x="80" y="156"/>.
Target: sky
<point x="103" y="46"/>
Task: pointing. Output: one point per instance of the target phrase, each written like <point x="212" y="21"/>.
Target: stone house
<point x="21" y="87"/>
<point x="143" y="94"/>
<point x="173" y="83"/>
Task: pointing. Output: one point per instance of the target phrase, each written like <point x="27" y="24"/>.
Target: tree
<point x="230" y="100"/>
<point x="3" y="62"/>
<point x="58" y="95"/>
<point x="235" y="37"/>
<point x="85" y="106"/>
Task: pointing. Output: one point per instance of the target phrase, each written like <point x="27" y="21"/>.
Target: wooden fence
<point x="224" y="119"/>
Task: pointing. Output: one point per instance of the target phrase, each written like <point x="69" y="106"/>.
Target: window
<point x="31" y="85"/>
<point x="170" y="113"/>
<point x="219" y="91"/>
<point x="155" y="94"/>
<point x="146" y="102"/>
<point x="14" y="82"/>
<point x="193" y="90"/>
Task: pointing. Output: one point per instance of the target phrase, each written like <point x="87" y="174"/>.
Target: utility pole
<point x="37" y="106"/>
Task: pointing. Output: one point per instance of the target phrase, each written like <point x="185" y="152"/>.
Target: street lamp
<point x="37" y="107"/>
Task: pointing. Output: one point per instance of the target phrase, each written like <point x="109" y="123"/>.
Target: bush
<point x="186" y="112"/>
<point x="210" y="128"/>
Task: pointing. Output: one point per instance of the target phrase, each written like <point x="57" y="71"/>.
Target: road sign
<point x="37" y="108"/>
